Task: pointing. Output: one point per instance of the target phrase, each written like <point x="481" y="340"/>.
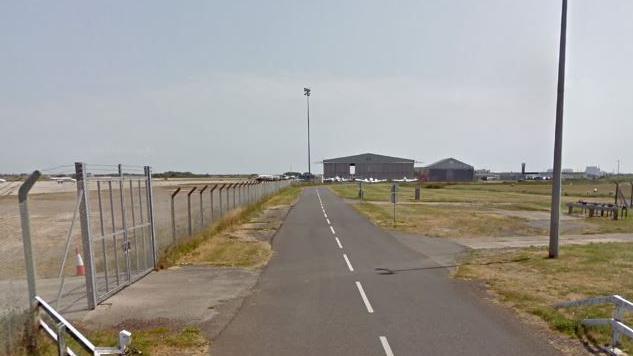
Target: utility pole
<point x="306" y="92"/>
<point x="558" y="141"/>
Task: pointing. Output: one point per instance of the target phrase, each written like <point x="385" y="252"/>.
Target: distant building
<point x="448" y="170"/>
<point x="368" y="165"/>
<point x="593" y="172"/>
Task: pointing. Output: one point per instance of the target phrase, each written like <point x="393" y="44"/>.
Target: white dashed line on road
<point x="332" y="229"/>
<point x="364" y="296"/>
<point x="385" y="345"/>
<point x="328" y="221"/>
<point x="339" y="243"/>
<point x="349" y="265"/>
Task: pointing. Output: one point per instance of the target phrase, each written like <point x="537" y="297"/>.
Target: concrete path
<point x="531" y="241"/>
<point x="322" y="295"/>
<point x="206" y="297"/>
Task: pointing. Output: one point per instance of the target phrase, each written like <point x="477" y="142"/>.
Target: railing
<point x="63" y="327"/>
<point x="618" y="328"/>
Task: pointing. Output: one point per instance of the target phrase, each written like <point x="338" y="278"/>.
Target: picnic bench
<point x="604" y="209"/>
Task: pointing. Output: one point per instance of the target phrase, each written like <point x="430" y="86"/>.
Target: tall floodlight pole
<point x="558" y="141"/>
<point x="306" y="92"/>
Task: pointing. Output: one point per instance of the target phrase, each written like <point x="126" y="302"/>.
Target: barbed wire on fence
<point x="54" y="236"/>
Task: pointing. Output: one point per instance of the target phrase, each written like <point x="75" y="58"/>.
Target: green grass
<point x="531" y="283"/>
<point x="215" y="247"/>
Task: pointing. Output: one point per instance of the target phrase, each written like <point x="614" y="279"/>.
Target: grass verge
<point x="446" y="221"/>
<point x="531" y="283"/>
<point x="152" y="341"/>
<point x="478" y="210"/>
<point x="215" y="246"/>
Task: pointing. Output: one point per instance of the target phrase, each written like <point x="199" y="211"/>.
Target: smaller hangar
<point x="448" y="170"/>
<point x="368" y="165"/>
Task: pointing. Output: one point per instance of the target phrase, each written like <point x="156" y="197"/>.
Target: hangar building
<point x="368" y="165"/>
<point x="448" y="170"/>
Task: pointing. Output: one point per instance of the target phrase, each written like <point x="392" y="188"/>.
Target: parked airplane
<point x="3" y="180"/>
<point x="336" y="179"/>
<point x="62" y="180"/>
<point x="371" y="180"/>
<point x="405" y="180"/>
<point x="267" y="177"/>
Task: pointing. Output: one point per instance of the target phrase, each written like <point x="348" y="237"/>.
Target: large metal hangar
<point x="368" y="165"/>
<point x="448" y="170"/>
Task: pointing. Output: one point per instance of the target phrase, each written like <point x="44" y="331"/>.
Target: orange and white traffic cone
<point x="81" y="270"/>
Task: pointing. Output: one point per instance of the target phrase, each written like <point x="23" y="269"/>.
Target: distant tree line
<point x="178" y="174"/>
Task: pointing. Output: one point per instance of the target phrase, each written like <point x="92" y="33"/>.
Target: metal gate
<point x="117" y="229"/>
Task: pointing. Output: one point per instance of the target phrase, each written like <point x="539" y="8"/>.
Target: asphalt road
<point x="321" y="295"/>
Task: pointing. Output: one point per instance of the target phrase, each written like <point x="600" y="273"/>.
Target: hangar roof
<point x="450" y="163"/>
<point x="368" y="158"/>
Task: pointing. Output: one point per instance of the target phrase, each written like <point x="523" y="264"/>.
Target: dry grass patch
<point x="221" y="246"/>
<point x="223" y="251"/>
<point x="476" y="209"/>
<point x="531" y="283"/>
<point x="447" y="221"/>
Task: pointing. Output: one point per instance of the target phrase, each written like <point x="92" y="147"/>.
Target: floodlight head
<point x="306" y="91"/>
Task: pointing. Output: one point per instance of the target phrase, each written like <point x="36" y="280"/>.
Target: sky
<point x="217" y="86"/>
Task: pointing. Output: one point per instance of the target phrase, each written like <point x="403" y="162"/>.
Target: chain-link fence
<point x="118" y="217"/>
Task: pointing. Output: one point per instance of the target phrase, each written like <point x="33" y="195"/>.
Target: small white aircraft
<point x="3" y="180"/>
<point x="267" y="177"/>
<point x="62" y="180"/>
<point x="372" y="180"/>
<point x="405" y="180"/>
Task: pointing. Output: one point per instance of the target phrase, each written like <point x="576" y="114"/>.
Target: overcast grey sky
<point x="217" y="86"/>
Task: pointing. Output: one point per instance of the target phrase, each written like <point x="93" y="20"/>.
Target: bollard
<point x="417" y="192"/>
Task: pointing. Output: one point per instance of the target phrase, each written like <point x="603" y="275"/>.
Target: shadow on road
<point x="385" y="270"/>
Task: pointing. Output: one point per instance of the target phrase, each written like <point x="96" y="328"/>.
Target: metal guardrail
<point x="618" y="328"/>
<point x="64" y="327"/>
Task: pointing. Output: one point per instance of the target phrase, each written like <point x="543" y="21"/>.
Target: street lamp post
<point x="558" y="141"/>
<point x="306" y="92"/>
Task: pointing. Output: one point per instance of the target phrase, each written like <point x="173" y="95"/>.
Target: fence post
<point x="189" y="209"/>
<point x="228" y="200"/>
<point x="61" y="339"/>
<point x="235" y="188"/>
<point x="114" y="244"/>
<point x="220" y="199"/>
<point x="84" y="219"/>
<point x="173" y="214"/>
<point x="25" y="220"/>
<point x="202" y="206"/>
<point x="103" y="242"/>
<point x="618" y="314"/>
<point x="150" y="212"/>
<point x="211" y="201"/>
<point x="126" y="237"/>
